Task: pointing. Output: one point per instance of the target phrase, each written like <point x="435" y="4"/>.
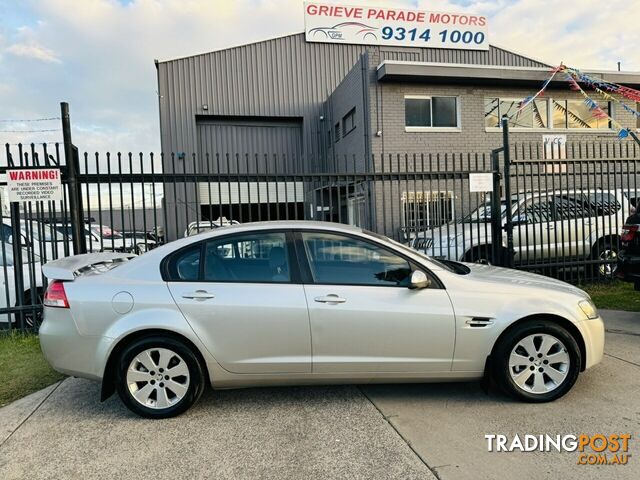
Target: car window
<point x="338" y="259"/>
<point x="184" y="265"/>
<point x="538" y="211"/>
<point x="569" y="207"/>
<point x="258" y="257"/>
<point x="6" y="232"/>
<point x="603" y="204"/>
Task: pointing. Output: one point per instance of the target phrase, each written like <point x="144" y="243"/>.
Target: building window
<point x="329" y="143"/>
<point x="349" y="122"/>
<point x="544" y="113"/>
<point x="534" y="115"/>
<point x="575" y="114"/>
<point x="431" y="112"/>
<point x="336" y="132"/>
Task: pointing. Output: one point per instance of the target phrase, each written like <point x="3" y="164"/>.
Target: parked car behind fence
<point x="629" y="258"/>
<point x="548" y="228"/>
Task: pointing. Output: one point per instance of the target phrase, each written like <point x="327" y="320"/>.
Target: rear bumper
<point x="593" y="335"/>
<point x="66" y="350"/>
<point x="628" y="267"/>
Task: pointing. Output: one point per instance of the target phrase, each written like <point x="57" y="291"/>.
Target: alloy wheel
<point x="158" y="378"/>
<point x="539" y="363"/>
<point x="611" y="257"/>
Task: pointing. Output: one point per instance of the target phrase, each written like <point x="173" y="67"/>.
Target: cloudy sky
<point x="98" y="54"/>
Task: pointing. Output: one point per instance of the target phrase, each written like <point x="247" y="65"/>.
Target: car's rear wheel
<point x="159" y="377"/>
<point x="537" y="361"/>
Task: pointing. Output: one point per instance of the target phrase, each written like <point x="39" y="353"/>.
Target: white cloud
<point x="33" y="51"/>
<point x="107" y="49"/>
<point x="28" y="46"/>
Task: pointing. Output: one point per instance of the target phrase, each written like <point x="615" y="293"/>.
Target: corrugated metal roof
<point x="494" y="56"/>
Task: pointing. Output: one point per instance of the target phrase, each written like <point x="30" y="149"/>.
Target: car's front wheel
<point x="159" y="377"/>
<point x="537" y="361"/>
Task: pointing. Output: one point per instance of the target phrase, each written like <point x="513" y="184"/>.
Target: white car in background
<point x="40" y="238"/>
<point x="201" y="226"/>
<point x="286" y="303"/>
<point x="546" y="226"/>
<point x="33" y="290"/>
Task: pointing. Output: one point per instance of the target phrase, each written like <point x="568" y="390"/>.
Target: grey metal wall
<point x="282" y="77"/>
<point x="244" y="146"/>
<point x="351" y="94"/>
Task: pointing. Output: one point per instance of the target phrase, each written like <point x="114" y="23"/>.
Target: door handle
<point x="198" y="295"/>
<point x="331" y="299"/>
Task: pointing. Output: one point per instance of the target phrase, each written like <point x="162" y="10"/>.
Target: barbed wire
<point x="6" y="120"/>
<point x="31" y="131"/>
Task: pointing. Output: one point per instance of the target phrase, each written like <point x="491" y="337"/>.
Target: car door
<point x="242" y="296"/>
<point x="364" y="319"/>
<point x="570" y="212"/>
<point x="534" y="231"/>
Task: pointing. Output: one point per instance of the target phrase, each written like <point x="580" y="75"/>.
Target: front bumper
<point x="593" y="334"/>
<point x="66" y="350"/>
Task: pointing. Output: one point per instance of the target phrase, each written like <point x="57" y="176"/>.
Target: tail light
<point x="55" y="296"/>
<point x="628" y="232"/>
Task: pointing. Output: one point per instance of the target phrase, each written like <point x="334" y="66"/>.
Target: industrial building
<point x="289" y="105"/>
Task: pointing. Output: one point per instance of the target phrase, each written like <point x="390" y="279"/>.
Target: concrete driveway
<point x="386" y="431"/>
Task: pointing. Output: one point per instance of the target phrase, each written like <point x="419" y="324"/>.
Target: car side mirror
<point x="419" y="280"/>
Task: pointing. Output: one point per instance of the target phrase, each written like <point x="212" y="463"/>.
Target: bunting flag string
<point x="601" y="85"/>
<point x="604" y="88"/>
<point x="595" y="109"/>
<point x="524" y="103"/>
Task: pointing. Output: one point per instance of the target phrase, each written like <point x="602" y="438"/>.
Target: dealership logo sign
<point x="369" y="25"/>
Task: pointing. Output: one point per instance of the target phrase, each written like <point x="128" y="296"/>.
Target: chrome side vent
<point x="479" y="322"/>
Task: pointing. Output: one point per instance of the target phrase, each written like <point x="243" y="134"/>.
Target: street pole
<point x="75" y="195"/>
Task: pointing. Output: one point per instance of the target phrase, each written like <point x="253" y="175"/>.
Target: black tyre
<point x="482" y="255"/>
<point x="536" y="361"/>
<point x="32" y="316"/>
<point x="159" y="377"/>
<point x="606" y="251"/>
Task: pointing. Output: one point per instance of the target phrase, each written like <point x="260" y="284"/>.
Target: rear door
<point x="242" y="296"/>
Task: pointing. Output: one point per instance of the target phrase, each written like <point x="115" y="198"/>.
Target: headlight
<point x="588" y="308"/>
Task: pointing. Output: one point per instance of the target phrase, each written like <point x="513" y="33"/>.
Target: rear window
<point x="184" y="265"/>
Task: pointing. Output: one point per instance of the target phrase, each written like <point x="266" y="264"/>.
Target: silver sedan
<point x="288" y="303"/>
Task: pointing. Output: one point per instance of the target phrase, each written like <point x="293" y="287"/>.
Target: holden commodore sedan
<point x="290" y="303"/>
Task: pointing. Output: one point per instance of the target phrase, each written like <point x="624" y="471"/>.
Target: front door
<point x="364" y="318"/>
<point x="241" y="296"/>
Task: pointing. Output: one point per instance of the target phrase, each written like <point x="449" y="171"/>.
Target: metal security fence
<point x="561" y="217"/>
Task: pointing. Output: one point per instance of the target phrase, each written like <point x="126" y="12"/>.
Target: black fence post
<point x="16" y="242"/>
<point x="75" y="194"/>
<point x="496" y="217"/>
<point x="508" y="255"/>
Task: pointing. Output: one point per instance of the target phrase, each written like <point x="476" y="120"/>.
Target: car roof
<point x="281" y="224"/>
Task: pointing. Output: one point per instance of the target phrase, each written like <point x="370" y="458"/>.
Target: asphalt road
<point x="384" y="431"/>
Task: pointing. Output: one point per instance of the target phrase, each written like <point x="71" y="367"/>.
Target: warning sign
<point x="34" y="185"/>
